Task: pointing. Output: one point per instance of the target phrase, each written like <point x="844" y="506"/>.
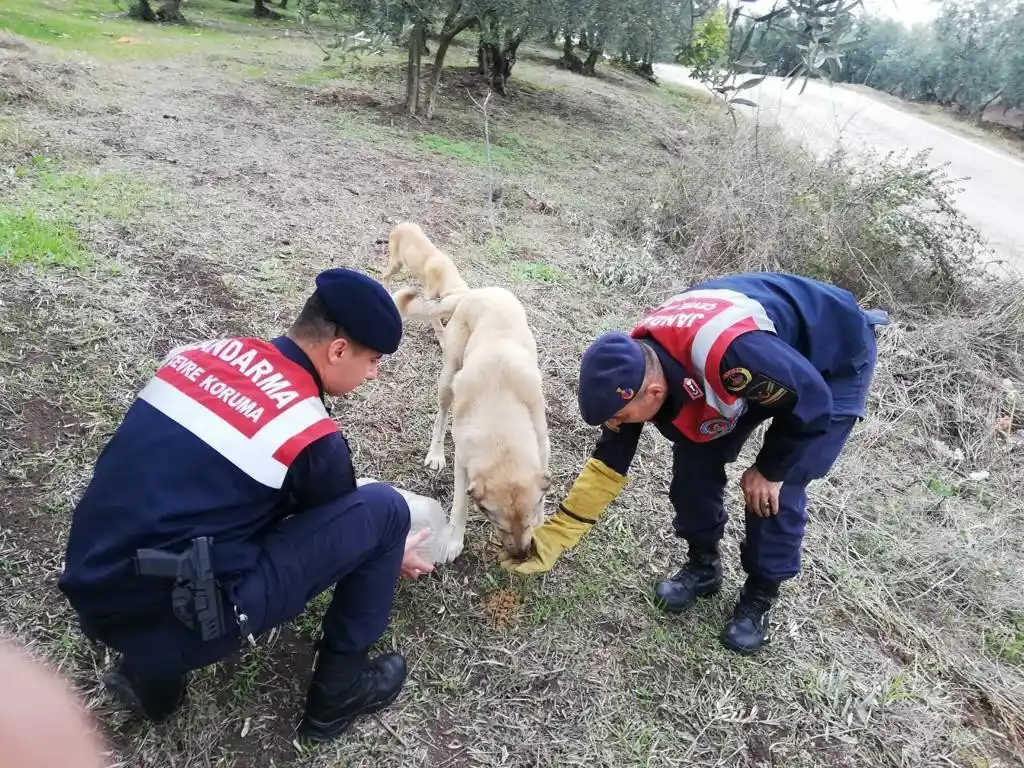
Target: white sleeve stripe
<point x="229" y="442"/>
<point x="709" y="334"/>
<point x="720" y="294"/>
<point x="285" y="426"/>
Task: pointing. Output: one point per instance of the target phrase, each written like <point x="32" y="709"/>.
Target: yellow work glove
<point x="594" y="489"/>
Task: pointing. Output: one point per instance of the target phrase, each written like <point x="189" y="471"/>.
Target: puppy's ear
<point x="544" y="482"/>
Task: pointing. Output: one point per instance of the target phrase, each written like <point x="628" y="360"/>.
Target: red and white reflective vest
<point x="696" y="327"/>
<point x="244" y="399"/>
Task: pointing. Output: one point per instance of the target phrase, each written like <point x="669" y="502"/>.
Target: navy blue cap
<point x="361" y="306"/>
<point x="611" y="373"/>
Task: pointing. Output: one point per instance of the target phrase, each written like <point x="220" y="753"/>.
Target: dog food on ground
<point x="500" y="606"/>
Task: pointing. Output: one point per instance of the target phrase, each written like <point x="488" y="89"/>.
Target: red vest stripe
<point x="717" y="351"/>
<point x="293" y="446"/>
<point x="696" y="328"/>
<point x="244" y="399"/>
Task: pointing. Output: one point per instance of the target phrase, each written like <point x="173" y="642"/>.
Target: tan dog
<point x="410" y="248"/>
<point x="491" y="384"/>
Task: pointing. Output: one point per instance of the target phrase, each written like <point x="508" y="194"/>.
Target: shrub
<point x="883" y="228"/>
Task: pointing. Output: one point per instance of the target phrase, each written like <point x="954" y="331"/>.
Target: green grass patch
<point x="471" y="152"/>
<point x="317" y="76"/>
<point x="680" y="97"/>
<point x="1006" y="642"/>
<point x="96" y="26"/>
<point x="498" y="247"/>
<point x="250" y="71"/>
<point x="26" y="238"/>
<point x="538" y="271"/>
<point x="116" y="195"/>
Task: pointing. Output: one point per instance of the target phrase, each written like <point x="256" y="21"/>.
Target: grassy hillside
<point x="165" y="184"/>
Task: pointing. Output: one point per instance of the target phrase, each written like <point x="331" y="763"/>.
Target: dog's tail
<point x="413" y="306"/>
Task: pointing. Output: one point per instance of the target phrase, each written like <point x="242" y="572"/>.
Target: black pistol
<point x="195" y="597"/>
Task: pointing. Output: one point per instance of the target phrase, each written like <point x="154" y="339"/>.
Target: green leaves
<point x="797" y="39"/>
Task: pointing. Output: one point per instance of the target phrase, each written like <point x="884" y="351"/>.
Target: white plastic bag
<point x="424" y="512"/>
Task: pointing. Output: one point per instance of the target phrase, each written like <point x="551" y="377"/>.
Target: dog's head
<point x="514" y="505"/>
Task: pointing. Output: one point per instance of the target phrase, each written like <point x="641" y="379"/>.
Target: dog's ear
<point x="544" y="482"/>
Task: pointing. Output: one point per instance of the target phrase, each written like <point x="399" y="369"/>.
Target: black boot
<point x="345" y="686"/>
<point x="155" y="699"/>
<point x="747" y="631"/>
<point x="700" y="577"/>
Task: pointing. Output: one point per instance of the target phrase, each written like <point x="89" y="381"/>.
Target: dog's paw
<point x="453" y="548"/>
<point x="435" y="460"/>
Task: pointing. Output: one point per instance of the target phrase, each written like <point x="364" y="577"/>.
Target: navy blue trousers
<point x="770" y="550"/>
<point x="355" y="544"/>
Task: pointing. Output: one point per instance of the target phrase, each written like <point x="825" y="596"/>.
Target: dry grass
<point x="884" y="228"/>
<point x="898" y="646"/>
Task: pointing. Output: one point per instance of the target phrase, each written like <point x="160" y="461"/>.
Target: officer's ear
<point x="655" y="389"/>
<point x="337" y="348"/>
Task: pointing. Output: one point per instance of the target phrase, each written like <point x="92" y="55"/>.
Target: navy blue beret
<point x="611" y="373"/>
<point x="361" y="306"/>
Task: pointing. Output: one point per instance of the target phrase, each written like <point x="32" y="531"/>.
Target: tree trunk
<point x="980" y="116"/>
<point x="596" y="50"/>
<point x="572" y="61"/>
<point x="412" y="81"/>
<point x="448" y="33"/>
<point x="170" y="10"/>
<point x="511" y="49"/>
<point x="142" y="11"/>
<point x="260" y="11"/>
<point x="647" y="66"/>
<point x="495" y="60"/>
<point x="489" y="59"/>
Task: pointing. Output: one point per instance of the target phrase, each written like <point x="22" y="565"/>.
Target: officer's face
<point x="348" y="367"/>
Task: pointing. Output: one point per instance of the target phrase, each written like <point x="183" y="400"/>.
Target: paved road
<point x="993" y="181"/>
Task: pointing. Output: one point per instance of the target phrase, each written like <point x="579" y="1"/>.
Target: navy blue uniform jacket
<point x="156" y="485"/>
<point x="821" y="356"/>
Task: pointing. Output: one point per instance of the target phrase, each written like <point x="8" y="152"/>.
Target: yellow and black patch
<point x="769" y="393"/>
<point x="735" y="380"/>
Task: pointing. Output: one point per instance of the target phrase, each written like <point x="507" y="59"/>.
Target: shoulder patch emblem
<point x="766" y="392"/>
<point x="716" y="427"/>
<point x="736" y="380"/>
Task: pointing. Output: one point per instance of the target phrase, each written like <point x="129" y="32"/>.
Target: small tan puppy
<point x="410" y="248"/>
<point x="492" y="386"/>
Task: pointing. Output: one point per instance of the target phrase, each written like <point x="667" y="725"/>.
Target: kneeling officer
<point x="226" y="500"/>
<point x="706" y="367"/>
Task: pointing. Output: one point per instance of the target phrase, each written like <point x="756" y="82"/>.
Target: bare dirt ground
<point x="210" y="178"/>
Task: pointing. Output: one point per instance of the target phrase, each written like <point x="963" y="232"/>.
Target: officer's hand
<point x="414" y="566"/>
<point x="761" y="494"/>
